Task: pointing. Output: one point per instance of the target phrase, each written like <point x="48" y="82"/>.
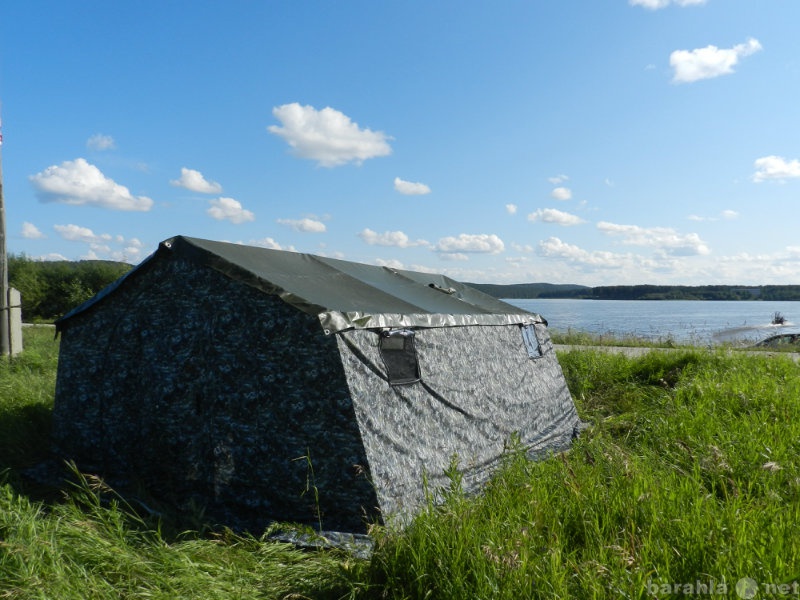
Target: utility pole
<point x="5" y="324"/>
<point x="10" y="304"/>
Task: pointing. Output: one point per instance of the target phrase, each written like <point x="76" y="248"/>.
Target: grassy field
<point x="687" y="482"/>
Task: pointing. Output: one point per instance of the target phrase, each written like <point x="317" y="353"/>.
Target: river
<point x="684" y="321"/>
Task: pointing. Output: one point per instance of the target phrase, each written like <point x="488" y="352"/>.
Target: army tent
<point x="278" y="386"/>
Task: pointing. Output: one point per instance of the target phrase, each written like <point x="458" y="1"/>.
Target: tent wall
<point x="478" y="389"/>
<point x="202" y="388"/>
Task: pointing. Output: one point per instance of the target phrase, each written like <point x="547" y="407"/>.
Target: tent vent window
<point x="400" y="356"/>
<point x="531" y="341"/>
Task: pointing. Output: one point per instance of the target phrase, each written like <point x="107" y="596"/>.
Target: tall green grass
<point x="27" y="383"/>
<point x="687" y="481"/>
<point x="689" y="477"/>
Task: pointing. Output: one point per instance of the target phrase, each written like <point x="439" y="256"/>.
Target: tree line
<point x="50" y="289"/>
<point x="645" y="292"/>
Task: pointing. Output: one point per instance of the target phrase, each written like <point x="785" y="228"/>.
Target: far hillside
<point x="642" y="292"/>
<point x="531" y="290"/>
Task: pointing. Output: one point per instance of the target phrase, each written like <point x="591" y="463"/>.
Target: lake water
<point x="685" y="321"/>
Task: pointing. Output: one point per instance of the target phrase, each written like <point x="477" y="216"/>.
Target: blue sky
<point x="600" y="143"/>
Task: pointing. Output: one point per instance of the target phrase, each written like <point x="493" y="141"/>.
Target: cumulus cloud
<point x="662" y="238"/>
<point x="557" y="217"/>
<point x="465" y="242"/>
<point x="410" y="188"/>
<point x="725" y="215"/>
<point x="304" y="225"/>
<point x="327" y="136"/>
<point x="553" y="247"/>
<point x="658" y="4"/>
<point x="776" y="168"/>
<point x="511" y="209"/>
<point x="454" y="256"/>
<point x="102" y="245"/>
<point x="100" y="142"/>
<point x="270" y="243"/>
<point x="517" y="261"/>
<point x="31" y="232"/>
<point x="561" y="193"/>
<point x="52" y="256"/>
<point x="397" y="239"/>
<point x="389" y="264"/>
<point x="228" y="209"/>
<point x="194" y="181"/>
<point x="76" y="233"/>
<point x="79" y="183"/>
<point x="709" y="62"/>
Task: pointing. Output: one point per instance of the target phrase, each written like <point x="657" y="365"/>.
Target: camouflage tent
<point x="269" y="385"/>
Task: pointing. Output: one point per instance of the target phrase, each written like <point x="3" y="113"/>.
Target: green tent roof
<point x="341" y="293"/>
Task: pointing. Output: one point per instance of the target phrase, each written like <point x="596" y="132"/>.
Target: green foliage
<point x="49" y="289"/>
<point x="690" y="473"/>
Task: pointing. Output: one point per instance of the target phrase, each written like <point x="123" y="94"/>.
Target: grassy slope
<point x="689" y="473"/>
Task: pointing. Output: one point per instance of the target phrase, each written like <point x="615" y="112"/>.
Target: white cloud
<point x="662" y="238"/>
<point x="101" y="245"/>
<point x="511" y="209"/>
<point x="409" y="188"/>
<point x="725" y="215"/>
<point x="553" y="247"/>
<point x="522" y="247"/>
<point x="454" y="256"/>
<point x="557" y="179"/>
<point x="389" y="264"/>
<point x="52" y="256"/>
<point x="771" y="268"/>
<point x="327" y="136"/>
<point x="305" y="225"/>
<point x="397" y="239"/>
<point x="76" y="233"/>
<point x="558" y="217"/>
<point x="484" y="243"/>
<point x="100" y="142"/>
<point x="228" y="209"/>
<point x="194" y="181"/>
<point x="561" y="193"/>
<point x="517" y="261"/>
<point x="709" y="62"/>
<point x="658" y="4"/>
<point x="777" y="168"/>
<point x="80" y="183"/>
<point x="31" y="232"/>
<point x="270" y="243"/>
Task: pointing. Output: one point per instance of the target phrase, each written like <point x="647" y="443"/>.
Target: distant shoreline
<point x="532" y="291"/>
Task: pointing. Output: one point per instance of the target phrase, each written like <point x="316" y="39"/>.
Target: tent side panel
<point x="204" y="389"/>
<point x="479" y="389"/>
